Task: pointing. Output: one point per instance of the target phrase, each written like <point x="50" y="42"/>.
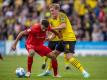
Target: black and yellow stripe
<point x="76" y="64"/>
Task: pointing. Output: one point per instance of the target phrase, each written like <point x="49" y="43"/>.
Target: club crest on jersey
<point x="62" y="19"/>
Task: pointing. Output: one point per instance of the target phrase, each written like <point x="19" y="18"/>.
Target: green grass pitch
<point x="95" y="65"/>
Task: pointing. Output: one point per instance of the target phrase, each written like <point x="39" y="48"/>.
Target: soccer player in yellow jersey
<point x="52" y="44"/>
<point x="60" y="22"/>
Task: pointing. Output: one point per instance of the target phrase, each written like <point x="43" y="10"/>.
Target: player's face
<point x="54" y="12"/>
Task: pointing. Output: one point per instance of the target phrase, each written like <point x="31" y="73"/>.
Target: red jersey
<point x="35" y="35"/>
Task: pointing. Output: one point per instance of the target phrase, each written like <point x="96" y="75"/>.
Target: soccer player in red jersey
<point x="34" y="44"/>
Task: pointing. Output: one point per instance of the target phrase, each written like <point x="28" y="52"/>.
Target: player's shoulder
<point x="61" y="14"/>
<point x="36" y="26"/>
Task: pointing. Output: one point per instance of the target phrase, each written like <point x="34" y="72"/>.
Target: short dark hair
<point x="45" y="23"/>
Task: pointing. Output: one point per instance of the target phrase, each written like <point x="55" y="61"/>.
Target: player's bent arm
<point x="51" y="36"/>
<point x="54" y="32"/>
<point x="60" y="27"/>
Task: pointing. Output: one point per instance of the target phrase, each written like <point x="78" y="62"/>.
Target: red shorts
<point x="41" y="49"/>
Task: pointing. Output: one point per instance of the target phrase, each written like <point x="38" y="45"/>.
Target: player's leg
<point x="52" y="45"/>
<point x="54" y="63"/>
<point x="30" y="62"/>
<point x="49" y="68"/>
<point x="45" y="62"/>
<point x="45" y="51"/>
<point x="67" y="67"/>
<point x="74" y="61"/>
<point x="59" y="48"/>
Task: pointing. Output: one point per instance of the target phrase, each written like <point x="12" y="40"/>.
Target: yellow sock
<point x="66" y="60"/>
<point x="45" y="59"/>
<point x="49" y="66"/>
<point x="76" y="64"/>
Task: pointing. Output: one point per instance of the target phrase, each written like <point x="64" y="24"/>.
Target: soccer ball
<point x="20" y="72"/>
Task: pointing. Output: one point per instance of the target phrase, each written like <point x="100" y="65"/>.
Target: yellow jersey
<point x="67" y="33"/>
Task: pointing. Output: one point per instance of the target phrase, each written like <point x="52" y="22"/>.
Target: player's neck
<point x="55" y="16"/>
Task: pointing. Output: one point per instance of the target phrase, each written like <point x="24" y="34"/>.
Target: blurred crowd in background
<point x="88" y="17"/>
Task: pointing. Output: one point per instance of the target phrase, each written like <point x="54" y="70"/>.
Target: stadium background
<point x="88" y="18"/>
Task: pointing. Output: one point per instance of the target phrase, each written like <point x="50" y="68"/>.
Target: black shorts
<point x="69" y="46"/>
<point x="63" y="46"/>
<point x="56" y="45"/>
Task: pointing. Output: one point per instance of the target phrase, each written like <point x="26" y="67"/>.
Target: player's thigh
<point x="70" y="47"/>
<point x="43" y="50"/>
<point x="31" y="50"/>
<point x="60" y="46"/>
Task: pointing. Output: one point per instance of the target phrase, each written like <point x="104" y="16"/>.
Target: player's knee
<point x="55" y="53"/>
<point x="31" y="53"/>
<point x="53" y="56"/>
<point x="69" y="55"/>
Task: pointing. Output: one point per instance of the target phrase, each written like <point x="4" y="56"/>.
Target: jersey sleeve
<point x="33" y="29"/>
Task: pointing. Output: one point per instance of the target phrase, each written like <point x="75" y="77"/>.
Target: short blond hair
<point x="56" y="6"/>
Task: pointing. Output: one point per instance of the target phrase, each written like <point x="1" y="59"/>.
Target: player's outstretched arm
<point x="17" y="39"/>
